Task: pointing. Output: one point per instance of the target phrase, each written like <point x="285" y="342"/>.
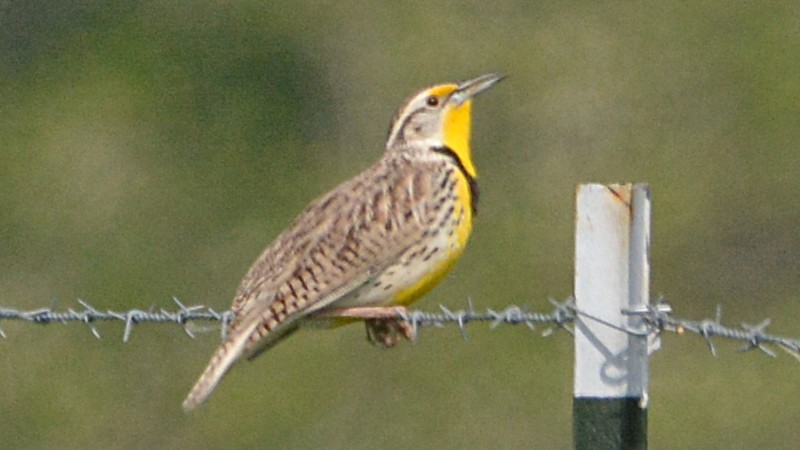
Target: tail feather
<point x="228" y="353"/>
<point x="239" y="345"/>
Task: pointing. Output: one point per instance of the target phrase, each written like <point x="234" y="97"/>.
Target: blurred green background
<point x="152" y="149"/>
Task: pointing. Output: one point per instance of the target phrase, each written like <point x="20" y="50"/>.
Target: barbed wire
<point x="754" y="336"/>
<point x="657" y="318"/>
<point x="89" y="315"/>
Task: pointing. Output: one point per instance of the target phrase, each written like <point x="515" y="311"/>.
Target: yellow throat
<point x="457" y="125"/>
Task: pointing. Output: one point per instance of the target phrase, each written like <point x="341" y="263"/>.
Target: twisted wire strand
<point x="658" y="318"/>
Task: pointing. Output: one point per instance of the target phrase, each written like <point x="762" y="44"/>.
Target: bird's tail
<point x="228" y="353"/>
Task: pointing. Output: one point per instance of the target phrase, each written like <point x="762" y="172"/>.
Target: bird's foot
<point x="387" y="332"/>
<point x="385" y="325"/>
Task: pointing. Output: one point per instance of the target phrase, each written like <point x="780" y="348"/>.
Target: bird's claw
<point x="386" y="332"/>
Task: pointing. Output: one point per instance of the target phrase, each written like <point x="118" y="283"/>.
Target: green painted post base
<point x="609" y="423"/>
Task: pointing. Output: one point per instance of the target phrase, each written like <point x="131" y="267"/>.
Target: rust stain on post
<point x="621" y="192"/>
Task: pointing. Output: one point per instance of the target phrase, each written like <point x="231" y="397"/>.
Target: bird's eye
<point x="432" y="101"/>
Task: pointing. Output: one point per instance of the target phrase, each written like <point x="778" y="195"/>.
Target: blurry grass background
<point x="151" y="149"/>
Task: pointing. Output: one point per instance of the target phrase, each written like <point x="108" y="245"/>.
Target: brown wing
<point x="340" y="242"/>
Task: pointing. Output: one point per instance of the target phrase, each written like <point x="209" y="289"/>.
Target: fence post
<point x="612" y="271"/>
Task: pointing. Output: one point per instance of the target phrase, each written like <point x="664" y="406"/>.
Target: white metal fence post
<point x="612" y="270"/>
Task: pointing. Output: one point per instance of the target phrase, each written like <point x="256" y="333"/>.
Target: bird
<point x="372" y="245"/>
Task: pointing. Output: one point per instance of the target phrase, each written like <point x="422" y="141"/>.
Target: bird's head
<point x="439" y="116"/>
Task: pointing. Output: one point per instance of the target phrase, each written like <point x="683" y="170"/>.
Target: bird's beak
<point x="470" y="88"/>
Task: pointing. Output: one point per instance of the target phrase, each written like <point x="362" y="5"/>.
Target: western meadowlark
<point x="373" y="244"/>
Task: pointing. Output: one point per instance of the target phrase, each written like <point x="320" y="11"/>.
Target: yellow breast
<point x="453" y="238"/>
